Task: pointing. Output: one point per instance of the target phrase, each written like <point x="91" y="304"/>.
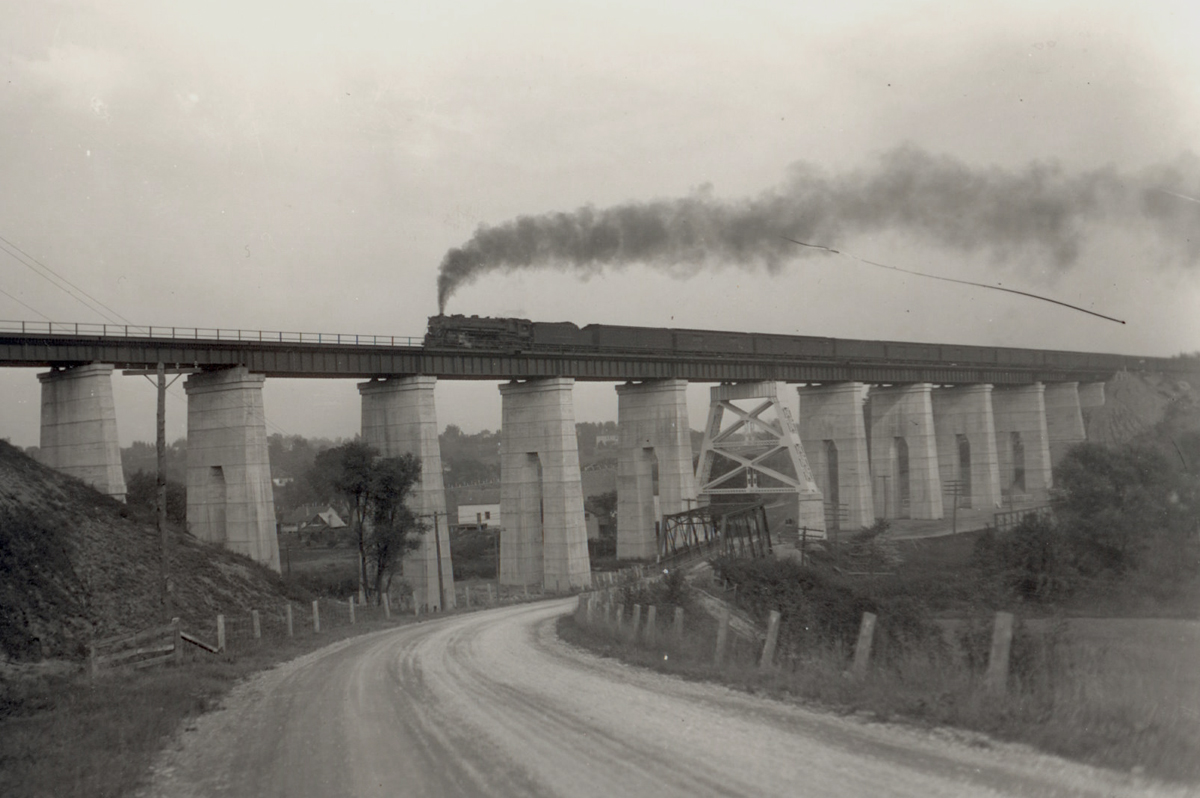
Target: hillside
<point x="76" y="564"/>
<point x="1135" y="403"/>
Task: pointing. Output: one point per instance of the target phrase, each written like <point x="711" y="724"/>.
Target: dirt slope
<point x="75" y="563"/>
<point x="1135" y="403"/>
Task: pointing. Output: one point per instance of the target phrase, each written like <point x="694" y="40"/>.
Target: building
<point x="481" y="516"/>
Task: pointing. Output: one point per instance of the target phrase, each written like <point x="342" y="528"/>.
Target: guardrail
<point x="71" y="328"/>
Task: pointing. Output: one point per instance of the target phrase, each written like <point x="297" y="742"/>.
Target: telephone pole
<point x="164" y="536"/>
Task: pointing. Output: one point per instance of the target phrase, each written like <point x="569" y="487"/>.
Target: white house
<point x="480" y="515"/>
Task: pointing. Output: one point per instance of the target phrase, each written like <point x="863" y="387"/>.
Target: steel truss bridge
<point x="317" y="355"/>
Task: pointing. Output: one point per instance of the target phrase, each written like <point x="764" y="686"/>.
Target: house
<point x="480" y="516"/>
<point x="607" y="440"/>
<point x="312" y="518"/>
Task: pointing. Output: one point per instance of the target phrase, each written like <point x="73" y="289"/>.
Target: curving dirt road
<point x="492" y="703"/>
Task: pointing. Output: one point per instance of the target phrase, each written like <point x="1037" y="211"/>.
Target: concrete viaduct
<point x="871" y="438"/>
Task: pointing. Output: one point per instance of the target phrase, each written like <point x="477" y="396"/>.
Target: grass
<point x="1113" y="693"/>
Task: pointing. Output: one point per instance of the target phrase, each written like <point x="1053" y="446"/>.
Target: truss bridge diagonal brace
<point x="753" y="465"/>
<point x="750" y="418"/>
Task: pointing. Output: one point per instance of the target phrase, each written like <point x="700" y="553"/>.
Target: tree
<point x="1111" y="501"/>
<point x="395" y="530"/>
<point x="142" y="489"/>
<point x="345" y="472"/>
<point x="604" y="507"/>
<point x="375" y="491"/>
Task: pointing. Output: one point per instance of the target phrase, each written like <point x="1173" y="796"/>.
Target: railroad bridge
<point x="869" y="429"/>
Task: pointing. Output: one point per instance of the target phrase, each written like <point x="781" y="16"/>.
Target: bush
<point x="141" y="490"/>
<point x="820" y="611"/>
<point x="1033" y="561"/>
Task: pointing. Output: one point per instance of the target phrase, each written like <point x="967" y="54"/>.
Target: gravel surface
<point x="493" y="703"/>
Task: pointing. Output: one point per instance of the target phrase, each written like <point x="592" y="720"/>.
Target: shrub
<point x="1033" y="561"/>
<point x="820" y="611"/>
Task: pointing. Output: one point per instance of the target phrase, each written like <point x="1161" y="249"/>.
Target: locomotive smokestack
<point x="1040" y="211"/>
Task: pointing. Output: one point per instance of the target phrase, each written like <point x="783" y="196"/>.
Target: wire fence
<point x="733" y="640"/>
<point x="78" y="329"/>
<point x="230" y="632"/>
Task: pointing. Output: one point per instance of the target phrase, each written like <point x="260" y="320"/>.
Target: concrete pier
<point x="229" y="495"/>
<point x="544" y="541"/>
<point x="654" y="436"/>
<point x="966" y="440"/>
<point x="79" y="427"/>
<point x="1022" y="441"/>
<point x="834" y="434"/>
<point x="1064" y="417"/>
<point x="904" y="461"/>
<point x="399" y="417"/>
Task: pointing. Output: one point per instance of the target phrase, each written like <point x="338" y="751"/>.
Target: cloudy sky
<point x="308" y="165"/>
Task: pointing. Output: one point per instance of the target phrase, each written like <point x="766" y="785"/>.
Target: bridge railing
<point x="72" y="328"/>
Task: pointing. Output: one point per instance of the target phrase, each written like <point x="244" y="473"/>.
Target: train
<point x="522" y="336"/>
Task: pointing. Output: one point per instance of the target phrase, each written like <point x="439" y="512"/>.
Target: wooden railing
<point x="138" y="650"/>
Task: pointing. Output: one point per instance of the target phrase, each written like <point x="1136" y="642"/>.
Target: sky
<point x="308" y="166"/>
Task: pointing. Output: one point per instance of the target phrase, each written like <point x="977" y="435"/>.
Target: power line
<point x="953" y="280"/>
<point x="19" y="302"/>
<point x="24" y="259"/>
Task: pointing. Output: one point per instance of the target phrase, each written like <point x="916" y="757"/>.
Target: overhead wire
<point x="24" y="304"/>
<point x="952" y="279"/>
<point x="62" y="284"/>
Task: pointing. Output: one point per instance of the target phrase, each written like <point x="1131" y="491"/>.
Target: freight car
<point x="522" y="335"/>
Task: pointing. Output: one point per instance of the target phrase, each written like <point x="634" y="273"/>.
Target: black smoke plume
<point x="1041" y="211"/>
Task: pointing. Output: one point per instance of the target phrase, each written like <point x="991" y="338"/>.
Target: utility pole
<point x="437" y="542"/>
<point x="161" y="485"/>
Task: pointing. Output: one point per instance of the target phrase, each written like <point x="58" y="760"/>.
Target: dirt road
<point x="492" y="703"/>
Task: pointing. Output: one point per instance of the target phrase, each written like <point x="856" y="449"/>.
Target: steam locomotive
<point x="510" y="336"/>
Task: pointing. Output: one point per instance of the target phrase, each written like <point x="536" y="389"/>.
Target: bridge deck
<point x="315" y="355"/>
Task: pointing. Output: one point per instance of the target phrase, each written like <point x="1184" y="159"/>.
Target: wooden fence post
<point x="467" y="589"/>
<point x="316" y="616"/>
<point x="288" y="612"/>
<point x="620" y="618"/>
<point x="491" y="598"/>
<point x="677" y="631"/>
<point x="637" y="621"/>
<point x="387" y="607"/>
<point x="862" y="649"/>
<point x="652" y="625"/>
<point x="256" y="624"/>
<point x="996" y="678"/>
<point x="722" y="637"/>
<point x="768" y="653"/>
<point x="220" y="632"/>
<point x="352" y="610"/>
<point x="177" y="634"/>
<point x="416" y="605"/>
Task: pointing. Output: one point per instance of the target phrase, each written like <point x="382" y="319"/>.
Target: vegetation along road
<point x="493" y="703"/>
